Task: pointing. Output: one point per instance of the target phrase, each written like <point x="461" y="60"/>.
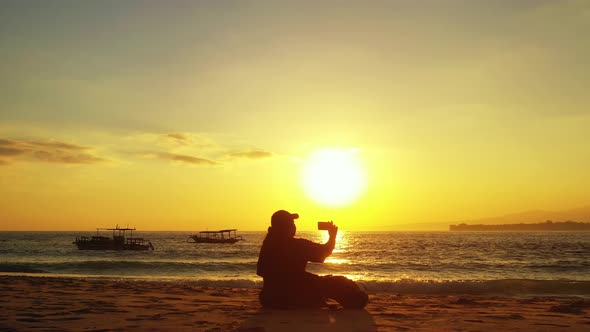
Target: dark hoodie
<point x="283" y="259"/>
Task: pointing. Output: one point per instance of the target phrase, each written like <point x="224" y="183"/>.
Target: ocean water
<point x="396" y="262"/>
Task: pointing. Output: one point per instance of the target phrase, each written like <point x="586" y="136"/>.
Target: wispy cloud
<point x="51" y="151"/>
<point x="9" y="151"/>
<point x="191" y="148"/>
<point x="58" y="145"/>
<point x="190" y="140"/>
<point x="177" y="136"/>
<point x="186" y="158"/>
<point x="250" y="154"/>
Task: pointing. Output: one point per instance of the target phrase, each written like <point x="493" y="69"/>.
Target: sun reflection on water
<point x="331" y="260"/>
<point x="342" y="240"/>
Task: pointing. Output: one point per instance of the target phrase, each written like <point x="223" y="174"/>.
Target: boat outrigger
<point x="222" y="236"/>
<point x="118" y="242"/>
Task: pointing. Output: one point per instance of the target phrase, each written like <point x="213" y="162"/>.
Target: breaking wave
<point x="480" y="287"/>
<point x="116" y="270"/>
<point x="505" y="287"/>
<point x="153" y="268"/>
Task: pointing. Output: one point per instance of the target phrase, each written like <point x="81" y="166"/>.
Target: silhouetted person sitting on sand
<point x="282" y="263"/>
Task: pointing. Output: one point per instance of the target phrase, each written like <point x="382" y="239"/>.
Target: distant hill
<point x="534" y="216"/>
<point x="438" y="226"/>
<point x="541" y="226"/>
<point x="579" y="214"/>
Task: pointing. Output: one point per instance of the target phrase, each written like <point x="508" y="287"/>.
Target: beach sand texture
<point x="70" y="304"/>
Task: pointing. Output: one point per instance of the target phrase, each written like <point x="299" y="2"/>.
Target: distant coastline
<point x="544" y="226"/>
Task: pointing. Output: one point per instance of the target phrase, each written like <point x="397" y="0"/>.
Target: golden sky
<point x="187" y="115"/>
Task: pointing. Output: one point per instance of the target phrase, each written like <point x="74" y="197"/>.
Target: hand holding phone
<point x="325" y="225"/>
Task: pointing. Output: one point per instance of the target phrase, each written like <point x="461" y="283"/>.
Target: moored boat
<point x="222" y="236"/>
<point x="119" y="241"/>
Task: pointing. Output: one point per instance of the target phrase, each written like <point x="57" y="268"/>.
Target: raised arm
<point x="317" y="252"/>
<point x="329" y="246"/>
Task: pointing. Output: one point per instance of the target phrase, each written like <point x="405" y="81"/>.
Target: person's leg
<point x="304" y="294"/>
<point x="344" y="291"/>
<point x="309" y="293"/>
<point x="270" y="299"/>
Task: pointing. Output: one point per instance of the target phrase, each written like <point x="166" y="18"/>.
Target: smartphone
<point x="324" y="225"/>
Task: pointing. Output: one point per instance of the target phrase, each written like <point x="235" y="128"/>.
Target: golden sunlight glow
<point x="334" y="178"/>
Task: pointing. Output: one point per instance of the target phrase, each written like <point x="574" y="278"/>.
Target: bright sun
<point x="334" y="178"/>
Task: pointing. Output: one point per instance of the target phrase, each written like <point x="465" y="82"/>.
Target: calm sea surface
<point x="398" y="262"/>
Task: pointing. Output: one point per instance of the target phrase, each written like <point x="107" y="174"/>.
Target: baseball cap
<point x="282" y="217"/>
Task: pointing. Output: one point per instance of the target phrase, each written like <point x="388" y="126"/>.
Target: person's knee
<point x="345" y="291"/>
<point x="272" y="302"/>
<point x="358" y="300"/>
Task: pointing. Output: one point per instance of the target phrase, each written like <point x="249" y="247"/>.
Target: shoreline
<point x="499" y="287"/>
<point x="76" y="304"/>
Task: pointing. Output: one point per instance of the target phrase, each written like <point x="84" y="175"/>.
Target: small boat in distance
<point x="222" y="236"/>
<point x="118" y="242"/>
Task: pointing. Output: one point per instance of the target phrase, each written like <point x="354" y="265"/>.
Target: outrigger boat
<point x="222" y="236"/>
<point x="118" y="242"/>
